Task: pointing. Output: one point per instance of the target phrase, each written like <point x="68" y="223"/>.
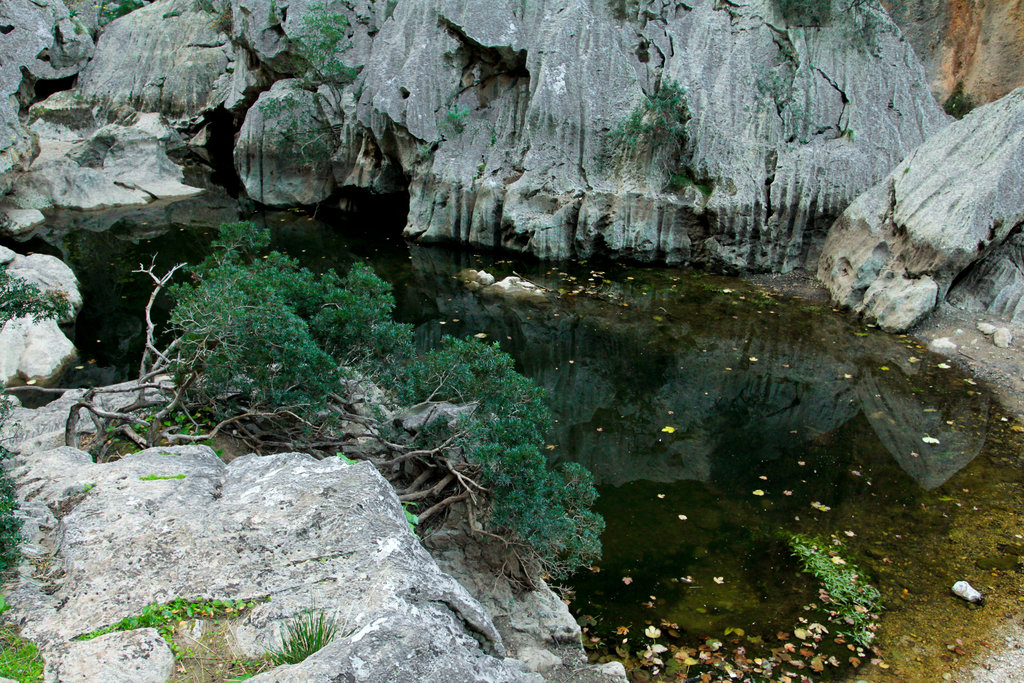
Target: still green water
<point x="715" y="417"/>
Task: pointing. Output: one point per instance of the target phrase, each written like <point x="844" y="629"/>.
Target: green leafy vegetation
<point x="321" y="39"/>
<point x="19" y="658"/>
<point x="273" y="353"/>
<point x="959" y="104"/>
<point x="660" y="118"/>
<point x="852" y="603"/>
<point x="454" y="122"/>
<point x="302" y="636"/>
<point x="115" y="9"/>
<point x="166" y="617"/>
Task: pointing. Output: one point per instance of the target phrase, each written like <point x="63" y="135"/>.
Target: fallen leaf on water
<point x="884" y="367"/>
<point x="1017" y="428"/>
<point x="753" y="359"/>
<point x="668" y="430"/>
<point x="943" y="366"/>
<point x="758" y="492"/>
<point x="838" y="560"/>
<point x="819" y="506"/>
<point x="551" y="446"/>
<point x="800" y="633"/>
<point x="627" y="580"/>
<point x="787" y="493"/>
<point x="622" y="630"/>
<point x="849" y="533"/>
<point x="480" y="335"/>
<point x="719" y="579"/>
<point x="652" y="632"/>
<point x="661" y="495"/>
<point x="929" y="439"/>
<point x="683" y="517"/>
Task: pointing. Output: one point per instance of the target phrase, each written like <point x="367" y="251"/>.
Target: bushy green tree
<point x="257" y="337"/>
<point x="545" y="509"/>
<point x="263" y="334"/>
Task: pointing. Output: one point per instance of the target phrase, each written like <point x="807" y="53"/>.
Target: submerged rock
<point x="926" y="231"/>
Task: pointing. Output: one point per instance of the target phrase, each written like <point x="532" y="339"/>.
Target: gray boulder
<point x="284" y="149"/>
<point x="37" y="351"/>
<point x="947" y="213"/>
<point x="117" y="165"/>
<point x="40" y="41"/>
<point x="178" y="522"/>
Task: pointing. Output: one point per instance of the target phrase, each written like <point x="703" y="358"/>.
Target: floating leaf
<point x="652" y="632"/>
<point x="668" y="430"/>
<point x="480" y="335"/>
<point x="943" y="366"/>
<point x="683" y="517"/>
<point x="929" y="439"/>
<point x="627" y="580"/>
<point x="622" y="630"/>
<point x="719" y="579"/>
<point x="661" y="495"/>
<point x="801" y="633"/>
<point x="758" y="492"/>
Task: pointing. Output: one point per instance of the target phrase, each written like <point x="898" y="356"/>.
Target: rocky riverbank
<point x="283" y="535"/>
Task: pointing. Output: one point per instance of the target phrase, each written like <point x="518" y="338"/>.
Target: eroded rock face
<point x="957" y="200"/>
<point x="172" y="57"/>
<point x="497" y="118"/>
<point x="978" y="45"/>
<point x="40" y="41"/>
<point x="177" y="522"/>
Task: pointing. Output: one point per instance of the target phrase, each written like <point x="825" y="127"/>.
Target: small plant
<point x="165" y="617"/>
<point x="660" y="118"/>
<point x="959" y="104"/>
<point x="303" y="636"/>
<point x="410" y="517"/>
<point x="454" y="122"/>
<point x="852" y="603"/>
<point x="115" y="9"/>
<point x="158" y="477"/>
<point x="19" y="658"/>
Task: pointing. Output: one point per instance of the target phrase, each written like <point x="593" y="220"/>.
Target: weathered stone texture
<point x="956" y="201"/>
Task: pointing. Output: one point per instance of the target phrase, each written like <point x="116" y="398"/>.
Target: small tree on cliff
<point x="273" y="353"/>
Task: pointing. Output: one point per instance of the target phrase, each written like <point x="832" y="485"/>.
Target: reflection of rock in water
<point x="901" y="421"/>
<point x="730" y="413"/>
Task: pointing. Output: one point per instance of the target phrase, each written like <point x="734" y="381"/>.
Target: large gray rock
<point x="284" y="149"/>
<point x="40" y="41"/>
<point x="300" y="531"/>
<point x="116" y="165"/>
<point x="37" y="351"/>
<point x="172" y="57"/>
<point x="955" y="201"/>
<point x="140" y="656"/>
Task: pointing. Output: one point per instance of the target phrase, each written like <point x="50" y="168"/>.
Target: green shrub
<point x="959" y="104"/>
<point x="321" y="39"/>
<point x="263" y="334"/>
<point x="454" y="122"/>
<point x="115" y="9"/>
<point x="659" y="119"/>
<point x="545" y="509"/>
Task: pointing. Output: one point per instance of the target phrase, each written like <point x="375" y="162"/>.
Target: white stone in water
<point x="986" y="328"/>
<point x="1002" y="338"/>
<point x="964" y="590"/>
<point x="942" y="345"/>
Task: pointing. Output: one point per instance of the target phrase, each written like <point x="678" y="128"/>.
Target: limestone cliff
<point x="495" y="116"/>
